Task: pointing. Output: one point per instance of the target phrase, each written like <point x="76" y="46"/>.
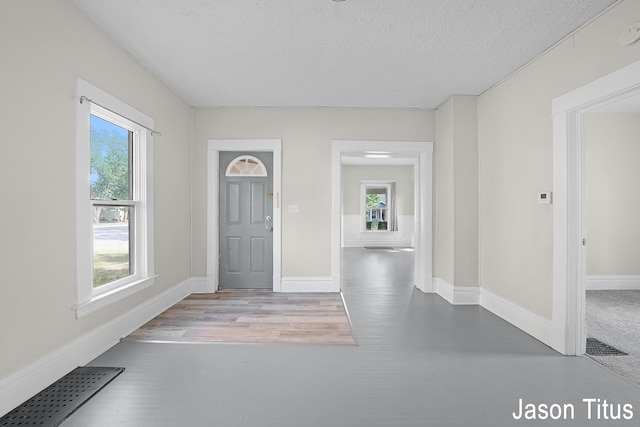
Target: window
<point x="114" y="200"/>
<point x="246" y="166"/>
<point x="376" y="208"/>
<point x="377" y="205"/>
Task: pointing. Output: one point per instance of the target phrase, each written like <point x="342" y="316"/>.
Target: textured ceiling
<point x="356" y="53"/>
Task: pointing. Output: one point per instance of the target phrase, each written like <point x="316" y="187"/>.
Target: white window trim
<point x="368" y="183"/>
<point x="89" y="300"/>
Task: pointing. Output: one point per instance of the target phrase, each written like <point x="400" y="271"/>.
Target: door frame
<point x="422" y="152"/>
<point x="569" y="253"/>
<point x="213" y="203"/>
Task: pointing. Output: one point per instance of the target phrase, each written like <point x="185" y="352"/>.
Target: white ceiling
<point x="356" y="53"/>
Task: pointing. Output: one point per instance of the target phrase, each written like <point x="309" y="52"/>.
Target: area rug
<point x="252" y="317"/>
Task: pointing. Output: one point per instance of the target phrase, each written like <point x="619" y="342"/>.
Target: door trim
<point x="213" y="192"/>
<point x="422" y="152"/>
<point x="569" y="272"/>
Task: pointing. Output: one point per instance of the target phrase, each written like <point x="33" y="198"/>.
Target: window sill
<point x="102" y="300"/>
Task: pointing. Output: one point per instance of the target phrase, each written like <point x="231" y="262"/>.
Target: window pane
<point x="111" y="244"/>
<point x="110" y="160"/>
<point x="376" y="209"/>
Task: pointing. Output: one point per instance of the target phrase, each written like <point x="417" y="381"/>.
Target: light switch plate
<point x="294" y="208"/>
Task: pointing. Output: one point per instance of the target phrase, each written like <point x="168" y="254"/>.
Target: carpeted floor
<point x="613" y="317"/>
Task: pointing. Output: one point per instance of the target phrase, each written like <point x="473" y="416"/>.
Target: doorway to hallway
<point x="419" y="154"/>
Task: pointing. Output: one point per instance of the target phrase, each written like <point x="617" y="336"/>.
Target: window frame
<point x="88" y="298"/>
<point x="372" y="184"/>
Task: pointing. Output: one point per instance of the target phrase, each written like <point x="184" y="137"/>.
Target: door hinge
<point x="584" y="242"/>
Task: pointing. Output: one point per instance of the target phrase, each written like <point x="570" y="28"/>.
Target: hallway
<point x="420" y="361"/>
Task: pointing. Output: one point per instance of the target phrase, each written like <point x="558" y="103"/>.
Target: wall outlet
<point x="544" y="198"/>
<point x="294" y="208"/>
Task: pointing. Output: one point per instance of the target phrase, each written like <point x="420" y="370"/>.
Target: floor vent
<point x="598" y="348"/>
<point x="57" y="402"/>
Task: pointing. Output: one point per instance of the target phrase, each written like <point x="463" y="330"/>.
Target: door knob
<point x="268" y="218"/>
<point x="269" y="228"/>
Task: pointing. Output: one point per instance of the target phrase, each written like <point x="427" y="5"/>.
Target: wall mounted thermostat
<point x="544" y="198"/>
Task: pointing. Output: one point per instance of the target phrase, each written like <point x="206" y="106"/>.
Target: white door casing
<point x="214" y="148"/>
<point x="423" y="188"/>
<point x="568" y="198"/>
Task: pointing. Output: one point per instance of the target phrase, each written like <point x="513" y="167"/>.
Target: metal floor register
<point x="57" y="402"/>
<point x="596" y="347"/>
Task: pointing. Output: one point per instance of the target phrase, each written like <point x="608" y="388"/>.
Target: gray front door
<point x="246" y="227"/>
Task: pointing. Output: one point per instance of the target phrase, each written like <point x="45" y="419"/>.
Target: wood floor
<point x="252" y="317"/>
<point x="419" y="362"/>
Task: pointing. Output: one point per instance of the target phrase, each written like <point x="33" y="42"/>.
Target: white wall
<point x="45" y="45"/>
<point x="352" y="237"/>
<point x="444" y="215"/>
<point x="306" y="135"/>
<point x="352" y="175"/>
<point x="515" y="154"/>
<point x="612" y="204"/>
<point x="456" y="152"/>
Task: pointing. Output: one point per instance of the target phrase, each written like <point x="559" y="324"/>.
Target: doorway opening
<point x="619" y="91"/>
<point x="612" y="200"/>
<point x="243" y="165"/>
<point x="419" y="156"/>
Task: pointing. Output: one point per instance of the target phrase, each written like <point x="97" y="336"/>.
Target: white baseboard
<point x="549" y="332"/>
<point x="25" y="383"/>
<point x="307" y="284"/>
<point x="609" y="283"/>
<point x="377" y="243"/>
<point x="354" y="237"/>
<point x="456" y="295"/>
<point x="198" y="285"/>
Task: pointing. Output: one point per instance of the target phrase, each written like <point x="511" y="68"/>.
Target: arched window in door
<point x="246" y="166"/>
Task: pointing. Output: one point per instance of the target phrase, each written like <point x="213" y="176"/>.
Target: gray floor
<point x="419" y="362"/>
<point x="613" y="317"/>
